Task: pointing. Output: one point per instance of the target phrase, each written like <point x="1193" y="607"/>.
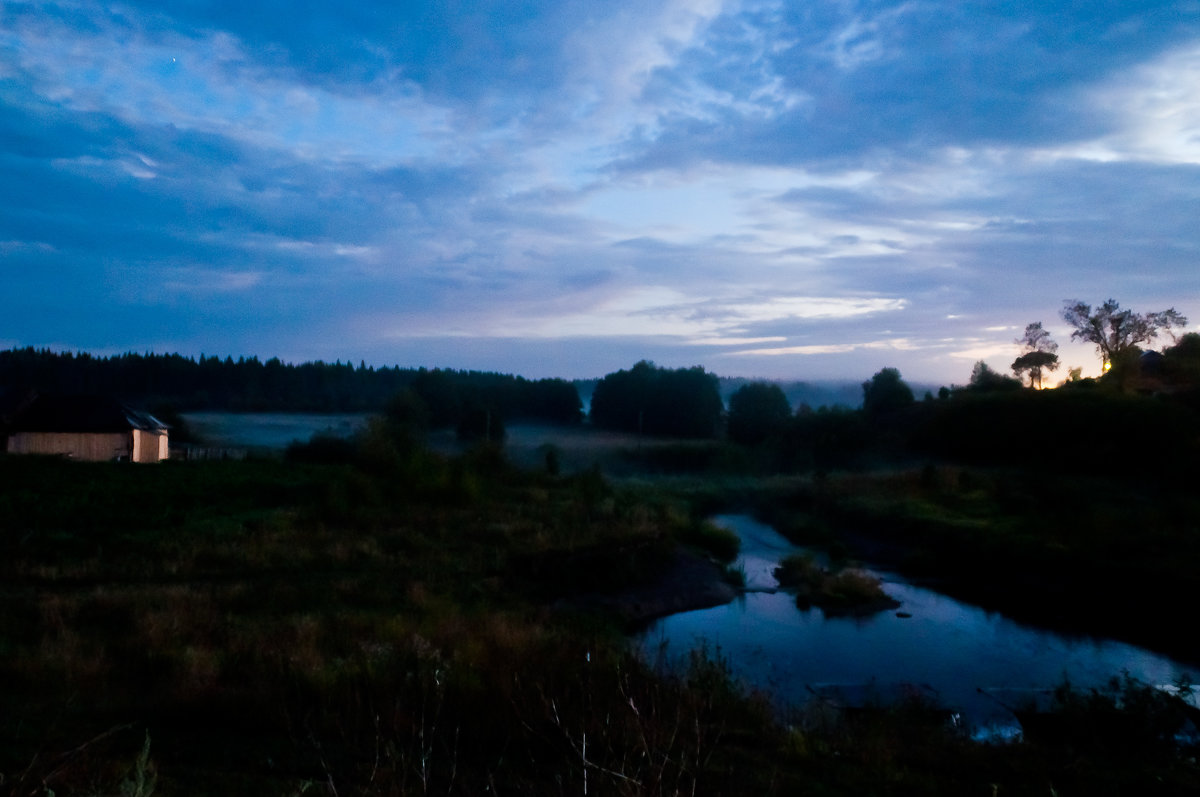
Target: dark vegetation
<point x="757" y="411"/>
<point x="367" y="617"/>
<point x="834" y="591"/>
<point x="1073" y="552"/>
<point x="685" y="402"/>
<point x="378" y="626"/>
<point x="383" y="623"/>
<point x="1073" y="507"/>
<point x="171" y="383"/>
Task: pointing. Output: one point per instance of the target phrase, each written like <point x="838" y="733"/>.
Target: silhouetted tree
<point x="1037" y="354"/>
<point x="1181" y="366"/>
<point x="685" y="402"/>
<point x="984" y="379"/>
<point x="441" y="396"/>
<point x="1116" y="333"/>
<point x="552" y="400"/>
<point x="620" y="399"/>
<point x="886" y="392"/>
<point x="756" y="412"/>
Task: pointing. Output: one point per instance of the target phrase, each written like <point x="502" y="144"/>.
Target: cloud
<point x="984" y="352"/>
<point x="190" y="281"/>
<point x="906" y="77"/>
<point x="742" y="179"/>
<point x="734" y="341"/>
<point x="897" y="344"/>
<point x="1154" y="111"/>
<point x="662" y="313"/>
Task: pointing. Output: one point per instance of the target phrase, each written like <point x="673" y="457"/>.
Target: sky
<point x="807" y="189"/>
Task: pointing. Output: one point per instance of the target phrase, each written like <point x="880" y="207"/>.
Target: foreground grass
<point x="272" y="625"/>
<point x="384" y="626"/>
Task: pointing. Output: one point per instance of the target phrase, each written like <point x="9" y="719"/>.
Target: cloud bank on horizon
<point x="798" y="190"/>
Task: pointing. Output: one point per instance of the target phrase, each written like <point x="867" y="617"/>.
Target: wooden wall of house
<point x="77" y="445"/>
<point x="149" y="446"/>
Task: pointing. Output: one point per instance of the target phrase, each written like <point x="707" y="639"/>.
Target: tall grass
<point x="338" y="628"/>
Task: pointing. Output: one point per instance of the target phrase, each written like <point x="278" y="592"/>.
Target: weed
<point x="719" y="541"/>
<point x="141" y="780"/>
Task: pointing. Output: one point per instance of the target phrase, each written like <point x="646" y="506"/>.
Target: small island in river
<point x="846" y="591"/>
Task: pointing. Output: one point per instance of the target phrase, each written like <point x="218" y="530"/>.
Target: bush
<point x="848" y="591"/>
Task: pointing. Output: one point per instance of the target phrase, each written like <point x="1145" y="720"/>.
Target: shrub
<point x="844" y="591"/>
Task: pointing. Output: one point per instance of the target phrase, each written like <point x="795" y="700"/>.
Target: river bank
<point x="957" y="653"/>
<point x="1081" y="555"/>
<point x="689" y="581"/>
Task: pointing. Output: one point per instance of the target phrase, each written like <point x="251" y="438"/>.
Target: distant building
<point x="90" y="428"/>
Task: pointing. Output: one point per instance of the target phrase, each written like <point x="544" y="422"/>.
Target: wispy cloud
<point x="897" y="344"/>
<point x="1154" y="111"/>
<point x="196" y="281"/>
<point x="775" y="186"/>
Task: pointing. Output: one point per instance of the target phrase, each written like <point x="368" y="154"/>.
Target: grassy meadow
<point x="369" y="617"/>
<point x="384" y="627"/>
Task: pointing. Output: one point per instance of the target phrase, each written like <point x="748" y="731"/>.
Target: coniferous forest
<point x="370" y="616"/>
<point x="250" y="385"/>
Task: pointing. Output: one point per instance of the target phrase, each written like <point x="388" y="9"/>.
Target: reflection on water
<point x="953" y="647"/>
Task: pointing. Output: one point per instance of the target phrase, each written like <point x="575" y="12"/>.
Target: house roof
<point x="97" y="414"/>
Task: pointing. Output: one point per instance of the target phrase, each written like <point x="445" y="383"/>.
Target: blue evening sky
<point x="799" y="189"/>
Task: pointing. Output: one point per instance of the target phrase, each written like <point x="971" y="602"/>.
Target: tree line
<point x="250" y="385"/>
<point x="1145" y="405"/>
<point x="645" y="399"/>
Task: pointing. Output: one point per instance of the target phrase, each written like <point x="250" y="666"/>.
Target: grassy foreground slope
<point x="383" y="627"/>
<point x="387" y="625"/>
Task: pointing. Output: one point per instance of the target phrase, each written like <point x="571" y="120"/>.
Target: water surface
<point x="953" y="647"/>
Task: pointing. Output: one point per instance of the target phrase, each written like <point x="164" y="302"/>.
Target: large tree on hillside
<point x="1037" y="354"/>
<point x="1114" y="332"/>
<point x="757" y="411"/>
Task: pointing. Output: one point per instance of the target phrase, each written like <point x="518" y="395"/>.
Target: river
<point x="952" y="648"/>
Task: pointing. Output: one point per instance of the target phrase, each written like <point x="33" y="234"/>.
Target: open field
<point x="389" y="626"/>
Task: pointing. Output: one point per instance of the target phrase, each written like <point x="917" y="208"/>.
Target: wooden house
<point x="91" y="428"/>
